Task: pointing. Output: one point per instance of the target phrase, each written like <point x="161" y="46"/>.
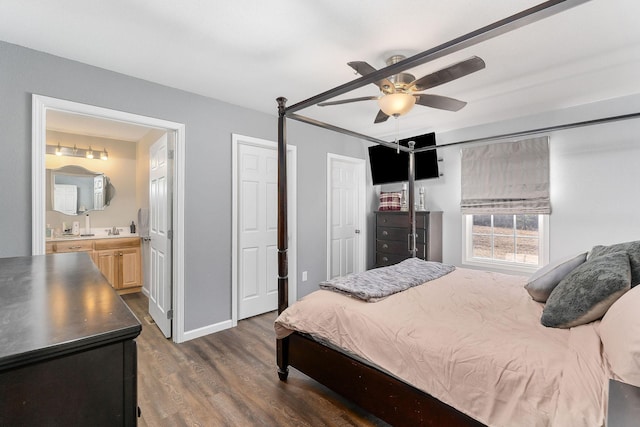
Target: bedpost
<point x="283" y="265"/>
<point x="282" y="345"/>
<point x="412" y="201"/>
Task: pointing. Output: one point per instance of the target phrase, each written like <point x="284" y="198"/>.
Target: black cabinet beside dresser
<point x="392" y="236"/>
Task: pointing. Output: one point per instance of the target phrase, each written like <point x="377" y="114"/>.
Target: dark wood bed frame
<point x="383" y="395"/>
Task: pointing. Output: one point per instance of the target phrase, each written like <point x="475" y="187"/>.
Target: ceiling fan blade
<point x="363" y="69"/>
<point x="345" y="101"/>
<point x="450" y="73"/>
<point x="440" y="102"/>
<point x="381" y="117"/>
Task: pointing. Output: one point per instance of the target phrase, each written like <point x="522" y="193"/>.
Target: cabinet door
<point x="130" y="271"/>
<point x="107" y="263"/>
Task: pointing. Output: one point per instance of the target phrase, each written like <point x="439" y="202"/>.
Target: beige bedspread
<point x="472" y="339"/>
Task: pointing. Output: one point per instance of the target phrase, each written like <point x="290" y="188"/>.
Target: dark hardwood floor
<point x="229" y="379"/>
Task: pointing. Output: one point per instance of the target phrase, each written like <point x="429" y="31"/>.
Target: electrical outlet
<point x="304" y="276"/>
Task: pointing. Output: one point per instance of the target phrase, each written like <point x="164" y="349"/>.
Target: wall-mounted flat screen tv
<point x="388" y="166"/>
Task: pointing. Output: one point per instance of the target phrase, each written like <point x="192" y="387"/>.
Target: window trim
<point x="504" y="266"/>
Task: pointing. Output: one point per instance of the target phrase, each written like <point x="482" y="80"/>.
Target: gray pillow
<point x="547" y="278"/>
<point x="586" y="293"/>
<point x="631" y="248"/>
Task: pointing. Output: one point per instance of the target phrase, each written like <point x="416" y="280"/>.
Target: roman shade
<point x="506" y="178"/>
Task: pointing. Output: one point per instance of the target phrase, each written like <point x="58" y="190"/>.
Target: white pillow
<point x="620" y="335"/>
<point x="547" y="278"/>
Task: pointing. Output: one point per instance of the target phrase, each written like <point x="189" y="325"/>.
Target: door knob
<point x="357" y="231"/>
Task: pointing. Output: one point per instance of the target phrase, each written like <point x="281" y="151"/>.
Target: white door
<point x="256" y="226"/>
<point x="65" y="198"/>
<point x="345" y="215"/>
<point x="160" y="292"/>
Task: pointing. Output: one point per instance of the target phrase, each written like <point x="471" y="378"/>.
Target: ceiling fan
<point x="400" y="92"/>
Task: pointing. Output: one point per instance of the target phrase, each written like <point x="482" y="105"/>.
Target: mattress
<point x="473" y="340"/>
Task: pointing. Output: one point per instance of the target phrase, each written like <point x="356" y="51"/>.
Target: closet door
<point x="345" y="216"/>
<point x="258" y="226"/>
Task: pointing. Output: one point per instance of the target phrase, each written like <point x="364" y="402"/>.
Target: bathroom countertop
<point x="94" y="237"/>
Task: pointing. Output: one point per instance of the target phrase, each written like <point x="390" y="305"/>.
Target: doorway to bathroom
<point x="56" y="115"/>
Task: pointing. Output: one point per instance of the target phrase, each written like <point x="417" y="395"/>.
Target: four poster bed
<point x="381" y="355"/>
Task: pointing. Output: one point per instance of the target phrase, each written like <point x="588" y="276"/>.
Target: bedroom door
<point x="160" y="209"/>
<point x="255" y="252"/>
<point x="345" y="215"/>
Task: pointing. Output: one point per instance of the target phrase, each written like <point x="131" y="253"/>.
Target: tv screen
<point x="388" y="166"/>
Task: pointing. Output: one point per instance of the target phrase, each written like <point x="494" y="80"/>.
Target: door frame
<point x="362" y="214"/>
<point x="236" y="141"/>
<point x="40" y="105"/>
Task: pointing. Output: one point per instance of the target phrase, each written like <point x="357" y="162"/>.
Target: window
<point x="513" y="242"/>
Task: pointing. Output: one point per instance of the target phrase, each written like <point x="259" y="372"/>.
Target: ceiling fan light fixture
<point x="396" y="104"/>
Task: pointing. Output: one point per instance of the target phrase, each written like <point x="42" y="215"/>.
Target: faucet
<point x="114" y="231"/>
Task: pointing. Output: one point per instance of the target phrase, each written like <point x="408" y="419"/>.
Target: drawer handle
<point x="384" y="233"/>
<point x="75" y="247"/>
<point x="385" y="259"/>
<point x="385" y="246"/>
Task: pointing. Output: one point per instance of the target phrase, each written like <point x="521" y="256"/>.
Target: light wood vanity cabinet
<point x="118" y="259"/>
<point x="71" y="246"/>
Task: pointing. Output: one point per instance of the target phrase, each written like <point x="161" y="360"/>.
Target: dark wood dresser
<point x="392" y="236"/>
<point x="67" y="349"/>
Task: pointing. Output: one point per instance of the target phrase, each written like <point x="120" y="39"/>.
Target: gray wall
<point x="209" y="125"/>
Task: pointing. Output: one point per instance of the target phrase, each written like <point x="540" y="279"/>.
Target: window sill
<point x="508" y="268"/>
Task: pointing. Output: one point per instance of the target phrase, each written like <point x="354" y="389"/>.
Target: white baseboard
<point x="206" y="330"/>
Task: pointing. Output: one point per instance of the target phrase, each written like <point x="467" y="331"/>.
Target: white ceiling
<point x="248" y="52"/>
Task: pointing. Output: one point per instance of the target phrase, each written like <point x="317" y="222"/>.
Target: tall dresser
<point x="392" y="236"/>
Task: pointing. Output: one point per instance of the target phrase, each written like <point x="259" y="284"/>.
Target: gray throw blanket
<point x="376" y="284"/>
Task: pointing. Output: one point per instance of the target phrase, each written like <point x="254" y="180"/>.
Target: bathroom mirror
<point x="76" y="190"/>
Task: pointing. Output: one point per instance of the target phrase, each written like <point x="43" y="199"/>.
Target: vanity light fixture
<point x="88" y="153"/>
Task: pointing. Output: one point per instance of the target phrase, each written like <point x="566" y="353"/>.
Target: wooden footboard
<point x="379" y="393"/>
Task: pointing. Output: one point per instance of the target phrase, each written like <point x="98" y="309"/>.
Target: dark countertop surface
<point x="51" y="305"/>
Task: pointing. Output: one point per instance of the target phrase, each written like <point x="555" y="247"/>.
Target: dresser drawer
<point x="398" y="248"/>
<point x="73" y="246"/>
<point x="392" y="219"/>
<point x="392" y="246"/>
<point x="383" y="260"/>
<point x="399" y="220"/>
<point x="390" y="233"/>
<point x="400" y="234"/>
